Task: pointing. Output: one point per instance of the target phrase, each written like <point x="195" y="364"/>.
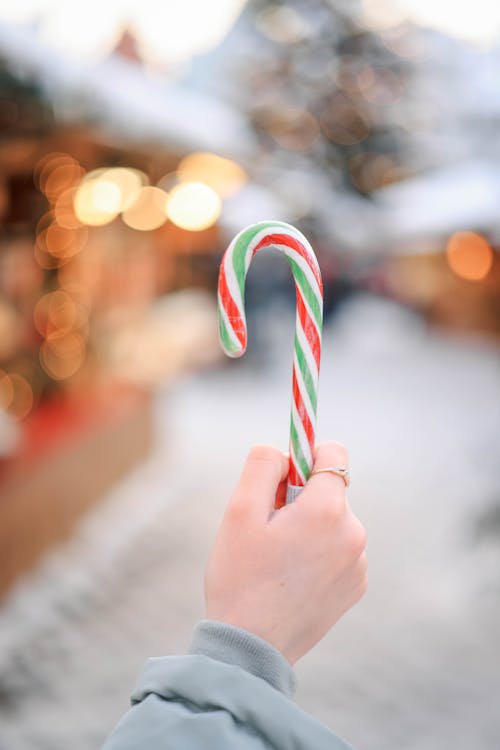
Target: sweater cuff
<point x="232" y="645"/>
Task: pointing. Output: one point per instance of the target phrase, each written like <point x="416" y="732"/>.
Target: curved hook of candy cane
<point x="309" y="318"/>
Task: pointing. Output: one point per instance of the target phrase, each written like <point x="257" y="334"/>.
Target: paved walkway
<point x="416" y="664"/>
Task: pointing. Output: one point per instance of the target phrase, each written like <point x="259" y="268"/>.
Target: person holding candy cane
<point x="288" y="561"/>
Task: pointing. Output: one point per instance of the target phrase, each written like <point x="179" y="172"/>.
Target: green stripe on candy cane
<point x="240" y="251"/>
<point x="307" y="292"/>
<point x="226" y="339"/>
<point x="297" y="449"/>
<point x="307" y="277"/>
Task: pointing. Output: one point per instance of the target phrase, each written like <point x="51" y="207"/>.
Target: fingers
<point x="326" y="488"/>
<point x="323" y="502"/>
<point x="265" y="468"/>
<point x="327" y="455"/>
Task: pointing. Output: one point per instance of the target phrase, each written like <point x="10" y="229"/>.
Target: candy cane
<point x="309" y="319"/>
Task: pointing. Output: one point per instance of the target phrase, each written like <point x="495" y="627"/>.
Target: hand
<point x="287" y="575"/>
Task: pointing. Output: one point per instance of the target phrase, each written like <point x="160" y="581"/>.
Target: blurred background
<point x="136" y="138"/>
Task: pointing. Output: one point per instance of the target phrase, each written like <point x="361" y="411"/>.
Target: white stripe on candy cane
<point x="232" y="281"/>
<point x="303" y="392"/>
<point x="308" y="353"/>
<point x="229" y="327"/>
<point x="296" y="464"/>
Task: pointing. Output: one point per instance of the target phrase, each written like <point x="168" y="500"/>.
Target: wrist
<point x="233" y="645"/>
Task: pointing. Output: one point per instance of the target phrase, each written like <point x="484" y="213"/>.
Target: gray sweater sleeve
<point x="235" y="646"/>
<point x="232" y="691"/>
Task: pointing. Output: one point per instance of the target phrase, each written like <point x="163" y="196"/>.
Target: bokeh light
<point x="193" y="206"/>
<point x="293" y="128"/>
<point x="6" y="390"/>
<point x="128" y="181"/>
<point x="63" y="176"/>
<point x="97" y="200"/>
<point x="469" y="255"/>
<point x="22" y="397"/>
<point x="77" y="291"/>
<point x="224" y="176"/>
<point x="148" y="211"/>
<point x="64" y="211"/>
<point x="283" y="24"/>
<point x="47" y="164"/>
<point x="55" y="312"/>
<point x="343" y="123"/>
<point x="46" y="260"/>
<point x="62" y="354"/>
<point x="370" y="171"/>
<point x="61" y="242"/>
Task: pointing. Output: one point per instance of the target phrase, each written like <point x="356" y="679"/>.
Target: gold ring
<point x="338" y="470"/>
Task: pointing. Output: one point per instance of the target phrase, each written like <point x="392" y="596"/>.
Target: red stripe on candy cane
<point x="295" y="244"/>
<point x="302" y="411"/>
<point x="309" y="328"/>
<point x="232" y="310"/>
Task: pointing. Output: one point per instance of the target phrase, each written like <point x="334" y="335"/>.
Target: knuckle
<point x="334" y="451"/>
<point x="341" y="451"/>
<point x="237" y="510"/>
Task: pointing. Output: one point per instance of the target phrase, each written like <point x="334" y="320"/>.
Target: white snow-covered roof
<point x="126" y="98"/>
<point x="460" y="196"/>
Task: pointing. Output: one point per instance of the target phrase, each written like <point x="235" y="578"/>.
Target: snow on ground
<point x="414" y="665"/>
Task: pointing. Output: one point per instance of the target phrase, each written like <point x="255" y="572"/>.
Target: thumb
<point x="265" y="468"/>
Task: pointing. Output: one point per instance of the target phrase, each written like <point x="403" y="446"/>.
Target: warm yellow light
<point x="22" y="398"/>
<point x="469" y="255"/>
<point x="97" y="201"/>
<point x="46" y="260"/>
<point x="55" y="312"/>
<point x="193" y="206"/>
<point x="225" y="176"/>
<point x="62" y="354"/>
<point x="61" y="242"/>
<point x="64" y="212"/>
<point x="47" y="164"/>
<point x="149" y="210"/>
<point x="106" y="196"/>
<point x="76" y="290"/>
<point x="64" y="175"/>
<point x="128" y="181"/>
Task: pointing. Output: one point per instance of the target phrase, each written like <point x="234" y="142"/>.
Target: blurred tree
<point x="322" y="90"/>
<point x="327" y="98"/>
